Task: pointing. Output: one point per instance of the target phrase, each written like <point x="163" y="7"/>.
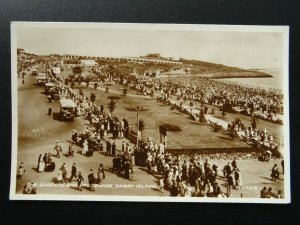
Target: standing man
<point x="113" y="149"/>
<point x="73" y="172"/>
<point x="58" y="149"/>
<point x="64" y="171"/>
<point x="233" y="163"/>
<point x="91" y="178"/>
<point x="108" y="148"/>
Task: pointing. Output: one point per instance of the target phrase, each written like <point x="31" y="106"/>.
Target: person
<point x="113" y="149"/>
<point x="108" y="148"/>
<point x="64" y="171"/>
<point x="229" y="185"/>
<point x="233" y="163"/>
<point x="21" y="171"/>
<point x="39" y="159"/>
<point x="59" y="176"/>
<point x="279" y="194"/>
<point x="198" y="187"/>
<point x="275" y="173"/>
<point x="73" y="172"/>
<point x="79" y="181"/>
<point x="227" y="170"/>
<point x="123" y="146"/>
<point x="74" y="137"/>
<point x="270" y="193"/>
<point x="181" y="188"/>
<point x="85" y="147"/>
<point x="49" y="98"/>
<point x="50" y="166"/>
<point x="49" y="111"/>
<point x="263" y="192"/>
<point x="41" y="165"/>
<point x="237" y="177"/>
<point x="217" y="190"/>
<point x="45" y="158"/>
<point x="91" y="178"/>
<point x="29" y="188"/>
<point x="116" y="164"/>
<point x="209" y="190"/>
<point x="127" y="167"/>
<point x="282" y="165"/>
<point x="215" y="168"/>
<point x="58" y="149"/>
<point x="161" y="185"/>
<point x="174" y="190"/>
<point x="101" y="171"/>
<point x="71" y="150"/>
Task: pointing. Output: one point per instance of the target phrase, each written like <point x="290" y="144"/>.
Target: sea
<point x="268" y="82"/>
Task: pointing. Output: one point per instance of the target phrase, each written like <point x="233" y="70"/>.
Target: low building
<point x="152" y="73"/>
<point x="79" y="62"/>
<point x="88" y="62"/>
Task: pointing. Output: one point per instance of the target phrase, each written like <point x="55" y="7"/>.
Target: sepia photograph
<point x="150" y="112"/>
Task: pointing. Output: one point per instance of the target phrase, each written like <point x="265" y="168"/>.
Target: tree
<point x="223" y="112"/>
<point x="93" y="97"/>
<point x="141" y="125"/>
<point x="77" y="70"/>
<point x="254" y="126"/>
<point x="201" y="116"/>
<point x="111" y="106"/>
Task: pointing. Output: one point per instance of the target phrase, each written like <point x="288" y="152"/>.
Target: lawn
<point x="193" y="135"/>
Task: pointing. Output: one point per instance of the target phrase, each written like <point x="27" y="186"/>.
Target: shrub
<point x="113" y="97"/>
<point x="170" y="127"/>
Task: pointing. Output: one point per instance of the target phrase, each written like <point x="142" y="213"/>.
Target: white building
<point x="88" y="62"/>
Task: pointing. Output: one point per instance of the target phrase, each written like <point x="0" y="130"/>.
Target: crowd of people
<point x="186" y="174"/>
<point x="231" y="97"/>
<point x="253" y="136"/>
<point x="183" y="175"/>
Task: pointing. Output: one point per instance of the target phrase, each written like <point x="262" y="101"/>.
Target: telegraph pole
<point x="137" y="133"/>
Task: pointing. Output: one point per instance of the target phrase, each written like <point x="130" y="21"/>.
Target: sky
<point x="262" y="50"/>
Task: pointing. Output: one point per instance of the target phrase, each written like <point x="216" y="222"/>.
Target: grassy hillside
<point x="219" y="70"/>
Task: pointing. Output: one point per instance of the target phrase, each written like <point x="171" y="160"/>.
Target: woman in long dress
<point x="41" y="165"/>
<point x="78" y="111"/>
<point x="85" y="147"/>
<point x="59" y="176"/>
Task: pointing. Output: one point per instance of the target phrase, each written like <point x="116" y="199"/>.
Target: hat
<point x="57" y="141"/>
